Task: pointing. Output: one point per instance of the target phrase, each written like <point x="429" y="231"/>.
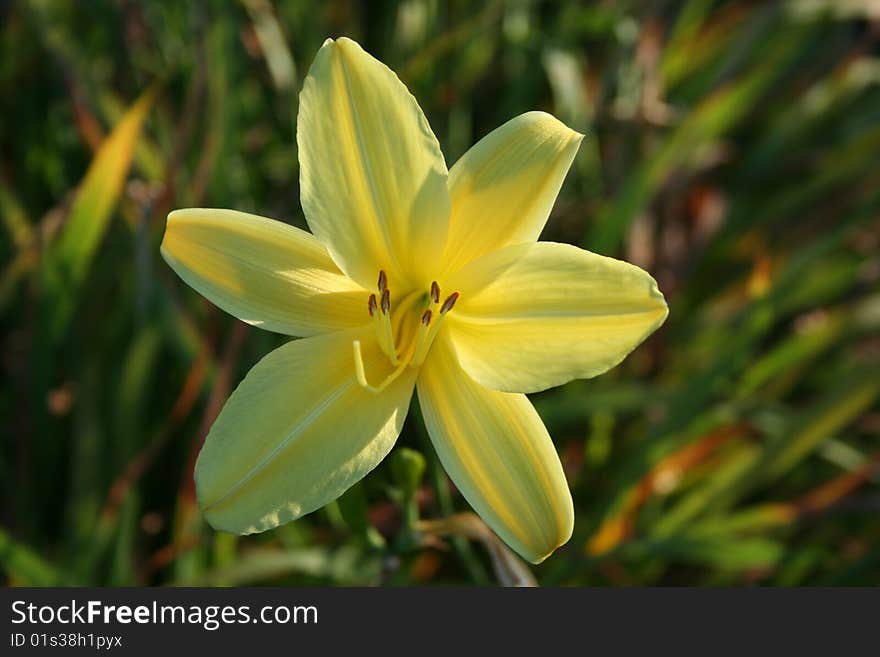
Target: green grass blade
<point x="67" y="262"/>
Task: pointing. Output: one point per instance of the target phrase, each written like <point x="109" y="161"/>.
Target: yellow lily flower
<point x="413" y="278"/>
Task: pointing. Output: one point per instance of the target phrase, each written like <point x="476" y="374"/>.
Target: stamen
<point x="362" y="376"/>
<point x="423" y="342"/>
<point x="386" y="335"/>
<point x="449" y="303"/>
<point x="415" y="341"/>
<point x="429" y="330"/>
<point x="378" y="320"/>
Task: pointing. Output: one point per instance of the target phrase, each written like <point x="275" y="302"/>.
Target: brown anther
<point x="435" y="292"/>
<point x="372" y="305"/>
<point x="386" y="301"/>
<point x="450" y="301"/>
<point x="383" y="281"/>
<point x="426" y="317"/>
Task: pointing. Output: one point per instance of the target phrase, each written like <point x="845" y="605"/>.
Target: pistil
<point x="362" y="375"/>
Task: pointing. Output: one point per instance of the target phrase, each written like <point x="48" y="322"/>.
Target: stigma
<point x="406" y="332"/>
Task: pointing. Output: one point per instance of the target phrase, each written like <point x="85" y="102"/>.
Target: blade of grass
<point x="66" y="263"/>
<point x="23" y="566"/>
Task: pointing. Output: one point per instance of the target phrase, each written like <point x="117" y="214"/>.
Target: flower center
<point x="404" y="334"/>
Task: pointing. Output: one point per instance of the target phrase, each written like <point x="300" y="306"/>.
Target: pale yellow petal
<point x="297" y="432"/>
<point x="533" y="316"/>
<point x="263" y="271"/>
<point x="372" y="177"/>
<point x="495" y="448"/>
<point x="504" y="187"/>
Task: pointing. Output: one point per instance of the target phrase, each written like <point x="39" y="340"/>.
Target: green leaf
<point x="67" y="261"/>
<point x="727" y="553"/>
<point x="23" y="566"/>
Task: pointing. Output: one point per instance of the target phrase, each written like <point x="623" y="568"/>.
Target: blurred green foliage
<point x="733" y="150"/>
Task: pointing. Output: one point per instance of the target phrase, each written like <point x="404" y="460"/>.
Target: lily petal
<point x="495" y="448"/>
<point x="296" y="433"/>
<point x="265" y="272"/>
<point x="372" y="177"/>
<point x="534" y="316"/>
<point x="504" y="187"/>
